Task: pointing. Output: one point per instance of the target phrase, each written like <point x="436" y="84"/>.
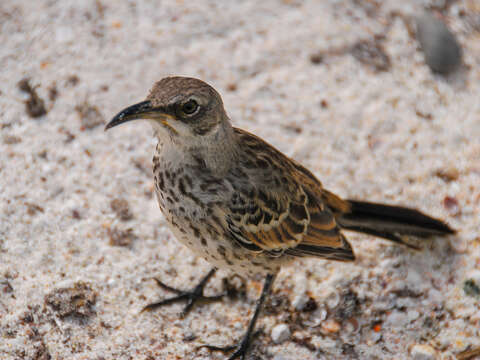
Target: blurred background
<point x="378" y="98"/>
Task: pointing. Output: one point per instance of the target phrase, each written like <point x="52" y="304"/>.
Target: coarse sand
<point x="341" y="86"/>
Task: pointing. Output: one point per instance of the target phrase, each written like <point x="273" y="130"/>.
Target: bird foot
<point x="241" y="348"/>
<point x="192" y="297"/>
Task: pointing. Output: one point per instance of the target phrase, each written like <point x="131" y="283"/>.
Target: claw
<point x="241" y="348"/>
<point x="191" y="297"/>
<point x="166" y="287"/>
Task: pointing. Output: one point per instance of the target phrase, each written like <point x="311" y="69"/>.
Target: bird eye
<point x="190" y="107"/>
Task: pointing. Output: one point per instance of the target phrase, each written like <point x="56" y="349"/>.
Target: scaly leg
<point x="243" y="346"/>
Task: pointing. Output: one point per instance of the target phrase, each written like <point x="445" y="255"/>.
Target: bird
<point x="242" y="205"/>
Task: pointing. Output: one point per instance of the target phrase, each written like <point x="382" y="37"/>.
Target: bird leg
<point x="243" y="346"/>
<point x="190" y="296"/>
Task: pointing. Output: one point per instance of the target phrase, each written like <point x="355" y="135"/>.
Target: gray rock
<point x="423" y="352"/>
<point x="443" y="53"/>
<point x="280" y="333"/>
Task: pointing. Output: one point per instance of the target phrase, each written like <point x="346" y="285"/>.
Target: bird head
<point x="185" y="109"/>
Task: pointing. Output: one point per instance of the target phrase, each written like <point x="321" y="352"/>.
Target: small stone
<point x="189" y="336"/>
<point x="280" y="333"/>
<point x="459" y="244"/>
<point x="331" y="326"/>
<point x="300" y="301"/>
<point x="474" y="275"/>
<point x="396" y="319"/>
<point x="435" y="296"/>
<point x="412" y="315"/>
<point x="413" y="277"/>
<point x="443" y="53"/>
<point x="450" y="203"/>
<point x="448" y="174"/>
<point x="423" y="352"/>
<point x="232" y="86"/>
<point x="471" y="286"/>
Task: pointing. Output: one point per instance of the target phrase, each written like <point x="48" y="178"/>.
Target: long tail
<point x="391" y="222"/>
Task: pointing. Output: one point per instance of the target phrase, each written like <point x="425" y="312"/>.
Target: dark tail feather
<point x="391" y="222"/>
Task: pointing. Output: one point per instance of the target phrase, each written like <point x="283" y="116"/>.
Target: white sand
<point x="382" y="136"/>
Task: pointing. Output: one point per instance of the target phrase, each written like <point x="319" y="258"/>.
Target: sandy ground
<point x="76" y="269"/>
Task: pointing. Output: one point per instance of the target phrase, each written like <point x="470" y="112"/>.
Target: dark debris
<point x="77" y="301"/>
<point x="6" y="287"/>
<point x="311" y="305"/>
<point x="11" y="140"/>
<point x="235" y="287"/>
<point x="35" y="106"/>
<point x="41" y="352"/>
<point x="73" y="80"/>
<point x="90" y="116"/>
<point x="122" y="238"/>
<point x="52" y="92"/>
<point x="33" y="209"/>
<point x="305" y="342"/>
<point x="349" y="305"/>
<point x="471" y="288"/>
<point x="277" y="303"/>
<point x="349" y="351"/>
<point x="144" y="165"/>
<point x="371" y="53"/>
<point x="448" y="174"/>
<point x="317" y="58"/>
<point x="121" y="208"/>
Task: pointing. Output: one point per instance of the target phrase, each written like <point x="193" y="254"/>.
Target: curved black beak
<point x="142" y="110"/>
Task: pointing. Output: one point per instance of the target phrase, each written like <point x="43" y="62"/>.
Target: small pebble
<point x="474" y="275"/>
<point x="189" y="336"/>
<point x="423" y="352"/>
<point x="471" y="285"/>
<point x="331" y="326"/>
<point x="448" y="174"/>
<point x="397" y="319"/>
<point x="300" y="301"/>
<point x="442" y="50"/>
<point x="374" y="338"/>
<point x="280" y="333"/>
<point x="412" y="315"/>
<point x="450" y="203"/>
<point x="458" y="244"/>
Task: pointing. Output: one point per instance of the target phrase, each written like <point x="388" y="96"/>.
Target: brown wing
<point x="289" y="216"/>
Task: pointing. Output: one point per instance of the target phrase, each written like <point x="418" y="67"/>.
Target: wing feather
<point x="295" y="216"/>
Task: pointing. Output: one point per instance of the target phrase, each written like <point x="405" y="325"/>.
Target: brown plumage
<point x="240" y="203"/>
